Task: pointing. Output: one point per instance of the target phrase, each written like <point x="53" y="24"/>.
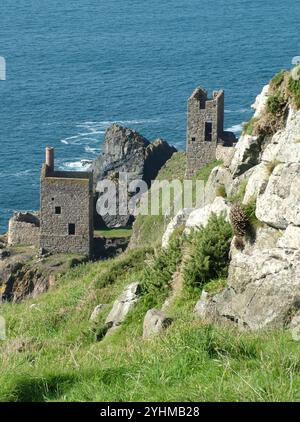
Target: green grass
<point x="239" y="195"/>
<point x="221" y="191"/>
<point x="294" y="89"/>
<point x="204" y="173"/>
<point x="249" y="126"/>
<point x="112" y="233"/>
<point x="174" y="168"/>
<point x="149" y="229"/>
<point x="53" y="352"/>
<point x="61" y="361"/>
<point x="278" y="79"/>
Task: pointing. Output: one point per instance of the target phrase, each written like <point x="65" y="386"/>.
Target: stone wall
<point x="198" y="156"/>
<point x="66" y="200"/>
<point x="24" y="229"/>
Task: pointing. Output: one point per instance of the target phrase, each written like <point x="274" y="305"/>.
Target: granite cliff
<point x="263" y="285"/>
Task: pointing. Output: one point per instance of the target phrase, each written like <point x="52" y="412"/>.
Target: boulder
<point x="219" y="176"/>
<point x="126" y="151"/>
<point x="261" y="102"/>
<point x="290" y="238"/>
<point x="179" y="219"/>
<point x="97" y="310"/>
<point x="246" y="155"/>
<point x="202" y="308"/>
<point x="279" y="204"/>
<point x="285" y="144"/>
<point x="257" y="182"/>
<point x="200" y="216"/>
<point x="263" y="286"/>
<point x="123" y="305"/>
<point x="155" y="323"/>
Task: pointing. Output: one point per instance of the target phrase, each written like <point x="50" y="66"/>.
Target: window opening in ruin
<point x="208" y="131"/>
<point x="71" y="229"/>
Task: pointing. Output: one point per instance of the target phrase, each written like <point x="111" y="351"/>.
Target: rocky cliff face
<point x="24" y="274"/>
<point x="263" y="287"/>
<point x="126" y="151"/>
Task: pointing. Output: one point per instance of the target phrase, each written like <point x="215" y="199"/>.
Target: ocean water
<point x="76" y="66"/>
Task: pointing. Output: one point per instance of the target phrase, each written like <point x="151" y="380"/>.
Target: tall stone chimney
<point x="50" y="158"/>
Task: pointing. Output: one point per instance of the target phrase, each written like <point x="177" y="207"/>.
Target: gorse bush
<point x="276" y="103"/>
<point x="209" y="257"/>
<point x="157" y="276"/>
<point x="294" y="88"/>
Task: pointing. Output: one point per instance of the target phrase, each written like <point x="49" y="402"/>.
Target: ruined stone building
<point x="205" y="129"/>
<point x="66" y="215"/>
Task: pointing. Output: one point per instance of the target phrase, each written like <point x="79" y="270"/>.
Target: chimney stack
<point x="50" y="158"/>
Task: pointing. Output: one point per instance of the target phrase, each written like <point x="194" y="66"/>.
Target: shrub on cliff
<point x="276" y="104"/>
<point x="278" y="79"/>
<point x="294" y="88"/>
<point x="209" y="256"/>
<point x="157" y="276"/>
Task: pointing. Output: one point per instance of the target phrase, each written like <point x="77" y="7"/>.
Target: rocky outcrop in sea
<point x="126" y="151"/>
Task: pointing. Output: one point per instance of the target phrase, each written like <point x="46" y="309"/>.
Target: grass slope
<point x="51" y="353"/>
<point x="148" y="229"/>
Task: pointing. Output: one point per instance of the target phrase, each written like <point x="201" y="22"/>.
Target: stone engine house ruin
<point x="66" y="216"/>
<point x="205" y="129"/>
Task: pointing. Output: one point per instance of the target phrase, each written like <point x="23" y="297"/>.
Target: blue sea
<point x="76" y="66"/>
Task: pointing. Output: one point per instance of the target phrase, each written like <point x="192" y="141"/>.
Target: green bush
<point x="294" y="88"/>
<point x="250" y="211"/>
<point x="157" y="276"/>
<point x="276" y="103"/>
<point x="278" y="79"/>
<point x="209" y="257"/>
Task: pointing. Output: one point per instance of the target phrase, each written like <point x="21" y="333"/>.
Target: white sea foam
<point x="75" y="165"/>
<point x="236" y="128"/>
<point x="20" y="173"/>
<point x="104" y="124"/>
<point x="92" y="150"/>
<point x="81" y="137"/>
<point x="239" y="111"/>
